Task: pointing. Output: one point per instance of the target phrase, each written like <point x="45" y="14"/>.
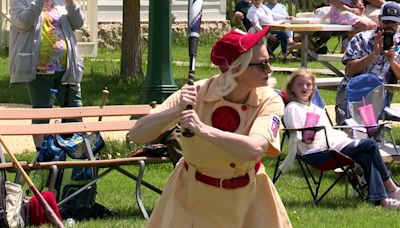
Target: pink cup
<point x="311" y="121"/>
<point x="367" y="114"/>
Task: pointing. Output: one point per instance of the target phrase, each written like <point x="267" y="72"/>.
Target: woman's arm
<point x="150" y="126"/>
<point x="242" y="146"/>
<point x="246" y="147"/>
<point x="147" y="128"/>
<point x="75" y="15"/>
<point x="237" y="18"/>
<point x="24" y="16"/>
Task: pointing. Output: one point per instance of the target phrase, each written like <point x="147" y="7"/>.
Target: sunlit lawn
<point x="116" y="192"/>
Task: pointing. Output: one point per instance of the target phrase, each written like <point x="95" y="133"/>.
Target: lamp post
<point x="159" y="82"/>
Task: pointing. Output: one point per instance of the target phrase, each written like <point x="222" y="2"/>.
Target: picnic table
<point x="392" y="87"/>
<point x="307" y="29"/>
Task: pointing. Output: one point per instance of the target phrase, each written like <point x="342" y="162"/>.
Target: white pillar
<point x="91" y="21"/>
<point x="222" y="6"/>
<point x="88" y="47"/>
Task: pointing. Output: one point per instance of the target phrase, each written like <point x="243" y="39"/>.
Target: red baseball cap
<point x="236" y="42"/>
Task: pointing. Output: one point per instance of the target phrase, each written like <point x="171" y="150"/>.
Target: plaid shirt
<point x="362" y="44"/>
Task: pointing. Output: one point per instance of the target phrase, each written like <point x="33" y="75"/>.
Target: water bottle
<point x="53" y="93"/>
<point x="70" y="223"/>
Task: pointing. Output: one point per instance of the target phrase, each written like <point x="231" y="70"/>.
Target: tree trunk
<point x="131" y="54"/>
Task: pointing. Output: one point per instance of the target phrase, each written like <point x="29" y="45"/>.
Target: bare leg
<point x="390" y="186"/>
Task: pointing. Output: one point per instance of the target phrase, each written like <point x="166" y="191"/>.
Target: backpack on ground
<point x="56" y="148"/>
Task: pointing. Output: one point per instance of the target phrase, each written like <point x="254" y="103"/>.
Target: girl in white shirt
<point x="299" y="90"/>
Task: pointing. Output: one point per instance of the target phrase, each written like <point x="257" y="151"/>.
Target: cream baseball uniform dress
<point x="187" y="202"/>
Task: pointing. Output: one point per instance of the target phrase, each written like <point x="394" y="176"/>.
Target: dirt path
<point x="19" y="144"/>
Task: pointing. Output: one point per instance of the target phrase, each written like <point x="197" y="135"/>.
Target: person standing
<point x="220" y="181"/>
<point x="43" y="51"/>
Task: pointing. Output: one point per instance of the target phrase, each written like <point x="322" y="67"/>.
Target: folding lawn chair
<point x="315" y="163"/>
<point x="369" y="89"/>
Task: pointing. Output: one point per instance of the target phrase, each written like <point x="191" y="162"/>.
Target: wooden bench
<point x="333" y="81"/>
<point x="330" y="57"/>
<point x="327" y="82"/>
<point x="90" y="116"/>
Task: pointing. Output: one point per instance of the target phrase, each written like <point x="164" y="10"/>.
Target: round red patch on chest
<point x="225" y="118"/>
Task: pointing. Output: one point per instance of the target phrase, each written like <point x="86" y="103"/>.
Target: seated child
<point x="260" y="15"/>
<point x="299" y="91"/>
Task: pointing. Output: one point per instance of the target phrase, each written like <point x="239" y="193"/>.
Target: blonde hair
<point x="290" y="83"/>
<point x="226" y="81"/>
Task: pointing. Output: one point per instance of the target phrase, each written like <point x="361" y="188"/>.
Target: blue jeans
<point x="282" y="37"/>
<point x="39" y="93"/>
<point x="366" y="153"/>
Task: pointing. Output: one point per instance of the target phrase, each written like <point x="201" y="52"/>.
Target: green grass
<point x="116" y="191"/>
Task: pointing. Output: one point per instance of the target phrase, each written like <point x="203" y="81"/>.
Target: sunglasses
<point x="266" y="65"/>
<point x="386" y="22"/>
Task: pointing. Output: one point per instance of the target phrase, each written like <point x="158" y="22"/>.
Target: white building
<point x="111" y="11"/>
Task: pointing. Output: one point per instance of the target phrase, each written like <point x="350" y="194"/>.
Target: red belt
<point x="236" y="182"/>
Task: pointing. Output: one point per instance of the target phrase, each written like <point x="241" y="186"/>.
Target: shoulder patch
<point x="275" y="124"/>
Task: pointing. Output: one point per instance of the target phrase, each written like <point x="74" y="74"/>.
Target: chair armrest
<point x="364" y="126"/>
<point x="314" y="128"/>
<point x="371" y="130"/>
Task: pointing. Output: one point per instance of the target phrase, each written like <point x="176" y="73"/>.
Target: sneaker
<point x="395" y="194"/>
<point x="391" y="203"/>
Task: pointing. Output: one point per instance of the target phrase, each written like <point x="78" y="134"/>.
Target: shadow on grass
<point x="328" y="202"/>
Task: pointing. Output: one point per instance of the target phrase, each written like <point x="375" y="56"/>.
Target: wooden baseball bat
<point x="49" y="212"/>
